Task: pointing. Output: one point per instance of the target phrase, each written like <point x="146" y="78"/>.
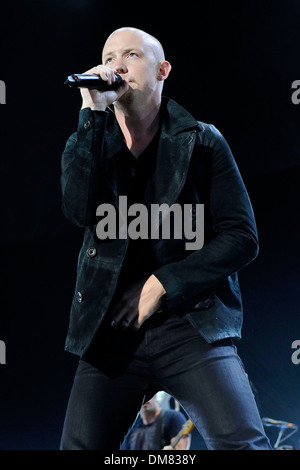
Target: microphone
<point x="93" y="82"/>
<point x="278" y="424"/>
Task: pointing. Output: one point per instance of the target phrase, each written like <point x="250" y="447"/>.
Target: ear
<point x="164" y="70"/>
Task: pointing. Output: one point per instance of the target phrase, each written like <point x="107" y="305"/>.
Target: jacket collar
<point x="175" y="119"/>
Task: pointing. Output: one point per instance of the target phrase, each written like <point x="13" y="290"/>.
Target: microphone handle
<point x="93" y="82"/>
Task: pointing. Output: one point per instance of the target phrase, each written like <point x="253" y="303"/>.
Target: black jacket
<point x="194" y="166"/>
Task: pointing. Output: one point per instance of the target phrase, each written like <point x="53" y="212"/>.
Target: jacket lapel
<point x="172" y="167"/>
<point x="174" y="153"/>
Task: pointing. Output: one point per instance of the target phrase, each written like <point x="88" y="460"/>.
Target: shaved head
<point x="148" y="39"/>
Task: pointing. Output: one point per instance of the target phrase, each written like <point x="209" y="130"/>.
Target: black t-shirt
<point x="136" y="175"/>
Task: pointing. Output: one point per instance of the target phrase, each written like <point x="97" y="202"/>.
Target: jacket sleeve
<point x="234" y="243"/>
<point x="84" y="168"/>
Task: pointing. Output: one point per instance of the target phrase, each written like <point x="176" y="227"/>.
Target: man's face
<point x="133" y="57"/>
<point x="150" y="405"/>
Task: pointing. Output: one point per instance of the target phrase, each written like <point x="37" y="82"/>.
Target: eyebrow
<point x="127" y="49"/>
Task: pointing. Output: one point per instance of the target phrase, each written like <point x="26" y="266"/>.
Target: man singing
<point x="147" y="313"/>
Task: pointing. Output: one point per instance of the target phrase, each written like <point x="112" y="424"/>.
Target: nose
<point x="120" y="67"/>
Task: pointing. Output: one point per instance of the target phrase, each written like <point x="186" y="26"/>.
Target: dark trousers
<point x="168" y="354"/>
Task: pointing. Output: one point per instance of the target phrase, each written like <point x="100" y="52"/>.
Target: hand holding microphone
<point x="99" y="87"/>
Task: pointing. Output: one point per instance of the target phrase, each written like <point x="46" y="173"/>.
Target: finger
<point x="124" y="323"/>
<point x="118" y="310"/>
<point x="123" y="317"/>
<point x="140" y="319"/>
<point x="117" y="318"/>
<point x="106" y="73"/>
<point x="135" y="325"/>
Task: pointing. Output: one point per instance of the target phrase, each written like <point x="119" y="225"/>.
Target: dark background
<point x="233" y="66"/>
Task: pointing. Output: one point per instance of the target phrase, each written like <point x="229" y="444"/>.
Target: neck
<point x="138" y="126"/>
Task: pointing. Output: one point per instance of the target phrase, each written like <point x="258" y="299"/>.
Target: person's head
<point x="139" y="58"/>
<point x="151" y="406"/>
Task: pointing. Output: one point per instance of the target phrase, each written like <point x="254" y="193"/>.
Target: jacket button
<point x="79" y="297"/>
<point x="87" y="124"/>
<point x="91" y="252"/>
